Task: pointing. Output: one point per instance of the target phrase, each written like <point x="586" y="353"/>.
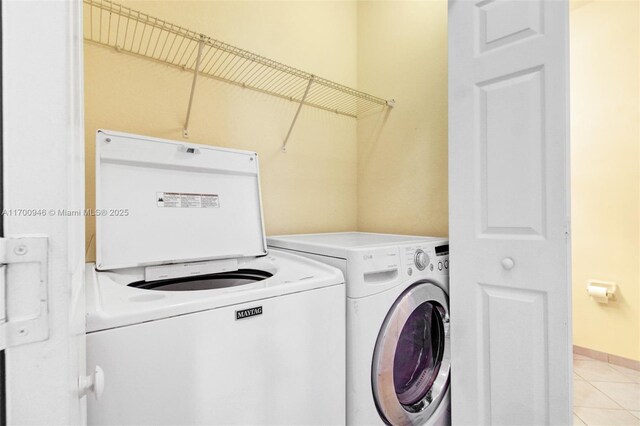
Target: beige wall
<point x="383" y="173"/>
<point x="605" y="152"/>
<point x="312" y="188"/>
<point x="402" y="157"/>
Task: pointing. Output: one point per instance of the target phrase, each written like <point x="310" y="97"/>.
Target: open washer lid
<point x="161" y="202"/>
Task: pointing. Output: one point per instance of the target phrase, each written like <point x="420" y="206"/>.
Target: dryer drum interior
<point x="411" y="363"/>
<point x="206" y="282"/>
<point x="418" y="354"/>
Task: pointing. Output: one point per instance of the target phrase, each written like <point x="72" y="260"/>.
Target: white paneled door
<point x="41" y="252"/>
<point x="509" y="212"/>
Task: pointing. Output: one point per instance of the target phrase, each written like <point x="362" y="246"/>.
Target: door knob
<point x="508" y="263"/>
<point x="93" y="383"/>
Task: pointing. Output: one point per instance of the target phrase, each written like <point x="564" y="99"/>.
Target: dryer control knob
<point x="421" y="259"/>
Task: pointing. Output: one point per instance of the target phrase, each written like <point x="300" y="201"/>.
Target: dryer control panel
<point x="426" y="258"/>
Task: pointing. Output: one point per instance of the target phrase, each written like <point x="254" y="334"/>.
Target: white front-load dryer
<point x="189" y="317"/>
<point x="398" y="351"/>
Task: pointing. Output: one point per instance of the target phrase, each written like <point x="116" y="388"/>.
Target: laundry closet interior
<point x="314" y="89"/>
<point x="368" y="150"/>
<point x="385" y="171"/>
<point x="249" y="212"/>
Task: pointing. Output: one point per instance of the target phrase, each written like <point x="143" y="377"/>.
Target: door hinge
<point x="24" y="311"/>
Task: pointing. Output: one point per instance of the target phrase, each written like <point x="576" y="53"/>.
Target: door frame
<point x="42" y="179"/>
<point x="3" y="378"/>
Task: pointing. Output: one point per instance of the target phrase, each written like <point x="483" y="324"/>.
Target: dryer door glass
<point x="418" y="353"/>
<point x="411" y="361"/>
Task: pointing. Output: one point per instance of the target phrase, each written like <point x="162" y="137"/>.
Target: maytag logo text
<point x="248" y="313"/>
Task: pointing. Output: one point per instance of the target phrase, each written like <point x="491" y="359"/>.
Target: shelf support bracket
<point x="295" y="117"/>
<point x="196" y="71"/>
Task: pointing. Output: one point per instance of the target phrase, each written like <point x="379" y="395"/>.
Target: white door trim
<point x="43" y="176"/>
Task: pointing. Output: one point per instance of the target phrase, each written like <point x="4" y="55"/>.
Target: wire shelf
<point x="131" y="31"/>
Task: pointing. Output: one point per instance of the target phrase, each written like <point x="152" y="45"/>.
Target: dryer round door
<point x="411" y="361"/>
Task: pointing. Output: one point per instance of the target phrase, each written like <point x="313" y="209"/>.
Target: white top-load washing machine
<point x="398" y="354"/>
<point x="190" y="318"/>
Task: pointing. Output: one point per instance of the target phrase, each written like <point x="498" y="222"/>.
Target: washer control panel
<point x="426" y="259"/>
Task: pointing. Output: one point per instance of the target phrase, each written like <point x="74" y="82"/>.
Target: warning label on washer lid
<point x="185" y="200"/>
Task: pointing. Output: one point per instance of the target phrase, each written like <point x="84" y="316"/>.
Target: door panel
<point x="511" y="169"/>
<point x="526" y="354"/>
<point x="509" y="198"/>
<point x="505" y="22"/>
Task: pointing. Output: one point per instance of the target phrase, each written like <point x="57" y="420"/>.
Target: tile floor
<point x="604" y="394"/>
